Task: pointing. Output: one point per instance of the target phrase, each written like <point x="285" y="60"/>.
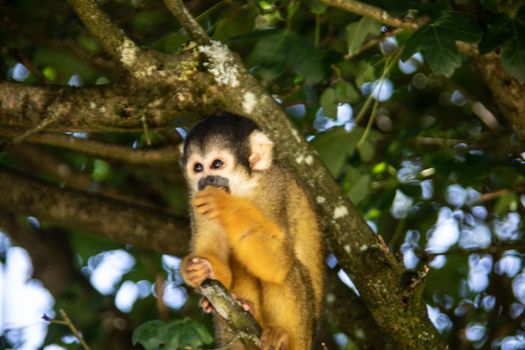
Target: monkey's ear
<point x="261" y="151"/>
<point x="181" y="148"/>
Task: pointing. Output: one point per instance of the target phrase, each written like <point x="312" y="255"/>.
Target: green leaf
<point x="186" y="333"/>
<point x="357" y="32"/>
<point x="329" y="102"/>
<point x="179" y="334"/>
<point x="379" y="168"/>
<point x="437" y="42"/>
<point x="147" y="334"/>
<point x="499" y="28"/>
<point x="171" y="42"/>
<point x="359" y="189"/>
<point x="366" y="150"/>
<point x="509" y="34"/>
<point x="236" y="25"/>
<point x="101" y="170"/>
<point x="317" y="7"/>
<point x="335" y="146"/>
<point x="345" y="92"/>
<point x="513" y="58"/>
<point x="50" y="73"/>
<point x="505" y="203"/>
<point x="282" y="50"/>
<point x="362" y="72"/>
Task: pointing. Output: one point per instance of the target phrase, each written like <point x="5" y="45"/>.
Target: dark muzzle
<point x="217" y="181"/>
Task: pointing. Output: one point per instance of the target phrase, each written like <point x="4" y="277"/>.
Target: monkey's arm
<point x="208" y="257"/>
<point x="258" y="242"/>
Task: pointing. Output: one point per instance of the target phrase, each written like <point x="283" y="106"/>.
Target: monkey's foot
<point x="246" y="304"/>
<point x="274" y="339"/>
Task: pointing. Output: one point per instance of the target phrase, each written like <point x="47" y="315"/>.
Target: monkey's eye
<point x="197" y="167"/>
<point x="217" y="164"/>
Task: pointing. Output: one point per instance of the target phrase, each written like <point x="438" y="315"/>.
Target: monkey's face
<point x="219" y="168"/>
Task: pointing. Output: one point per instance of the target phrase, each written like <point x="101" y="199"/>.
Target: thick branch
<point x="111" y="37"/>
<point x="506" y="91"/>
<point x="239" y="321"/>
<point x="133" y="224"/>
<point x="155" y="156"/>
<point x="374" y="269"/>
<point x="104" y="108"/>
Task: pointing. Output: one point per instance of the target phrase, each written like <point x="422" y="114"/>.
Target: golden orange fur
<point x="261" y="241"/>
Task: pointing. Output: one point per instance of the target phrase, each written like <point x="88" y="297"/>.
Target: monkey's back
<point x="291" y="206"/>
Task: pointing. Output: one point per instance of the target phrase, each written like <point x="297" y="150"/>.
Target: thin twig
<point x="383" y="16"/>
<point x="181" y="13"/>
<point x="19" y="56"/>
<point x="436" y="141"/>
<point x="161" y="155"/>
<point x="389" y="64"/>
<point x="110" y="36"/>
<point x="74" y="329"/>
<point x="53" y="117"/>
<point x="373" y="43"/>
<point x="67" y="322"/>
<point x="376" y="13"/>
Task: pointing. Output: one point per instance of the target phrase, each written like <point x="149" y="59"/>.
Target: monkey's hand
<point x="237" y="215"/>
<point x="211" y="202"/>
<point x="274" y="339"/>
<point x="195" y="270"/>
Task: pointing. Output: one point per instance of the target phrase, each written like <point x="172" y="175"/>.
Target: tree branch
<point x="133" y="224"/>
<point x="167" y="155"/>
<point x="507" y="92"/>
<point x="374" y="269"/>
<point x="239" y="321"/>
<point x="32" y="158"/>
<point x="376" y="13"/>
<point x="109" y="107"/>
<point x="111" y="37"/>
<point x="181" y="13"/>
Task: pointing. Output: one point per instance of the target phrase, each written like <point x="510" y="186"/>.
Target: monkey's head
<point x="227" y="151"/>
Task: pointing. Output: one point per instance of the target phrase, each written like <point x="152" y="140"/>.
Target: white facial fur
<point x="241" y="183"/>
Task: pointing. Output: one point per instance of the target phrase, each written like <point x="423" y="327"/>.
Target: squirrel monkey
<point x="254" y="230"/>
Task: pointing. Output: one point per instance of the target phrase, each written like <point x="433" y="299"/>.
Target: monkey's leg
<point x="288" y="312"/>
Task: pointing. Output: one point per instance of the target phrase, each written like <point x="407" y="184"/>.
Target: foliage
<point x="179" y="334"/>
<point x="437" y="41"/>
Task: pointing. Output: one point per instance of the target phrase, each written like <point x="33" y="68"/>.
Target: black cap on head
<point x="230" y="129"/>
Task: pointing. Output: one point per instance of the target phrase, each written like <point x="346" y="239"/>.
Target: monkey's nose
<point x="217" y="181"/>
